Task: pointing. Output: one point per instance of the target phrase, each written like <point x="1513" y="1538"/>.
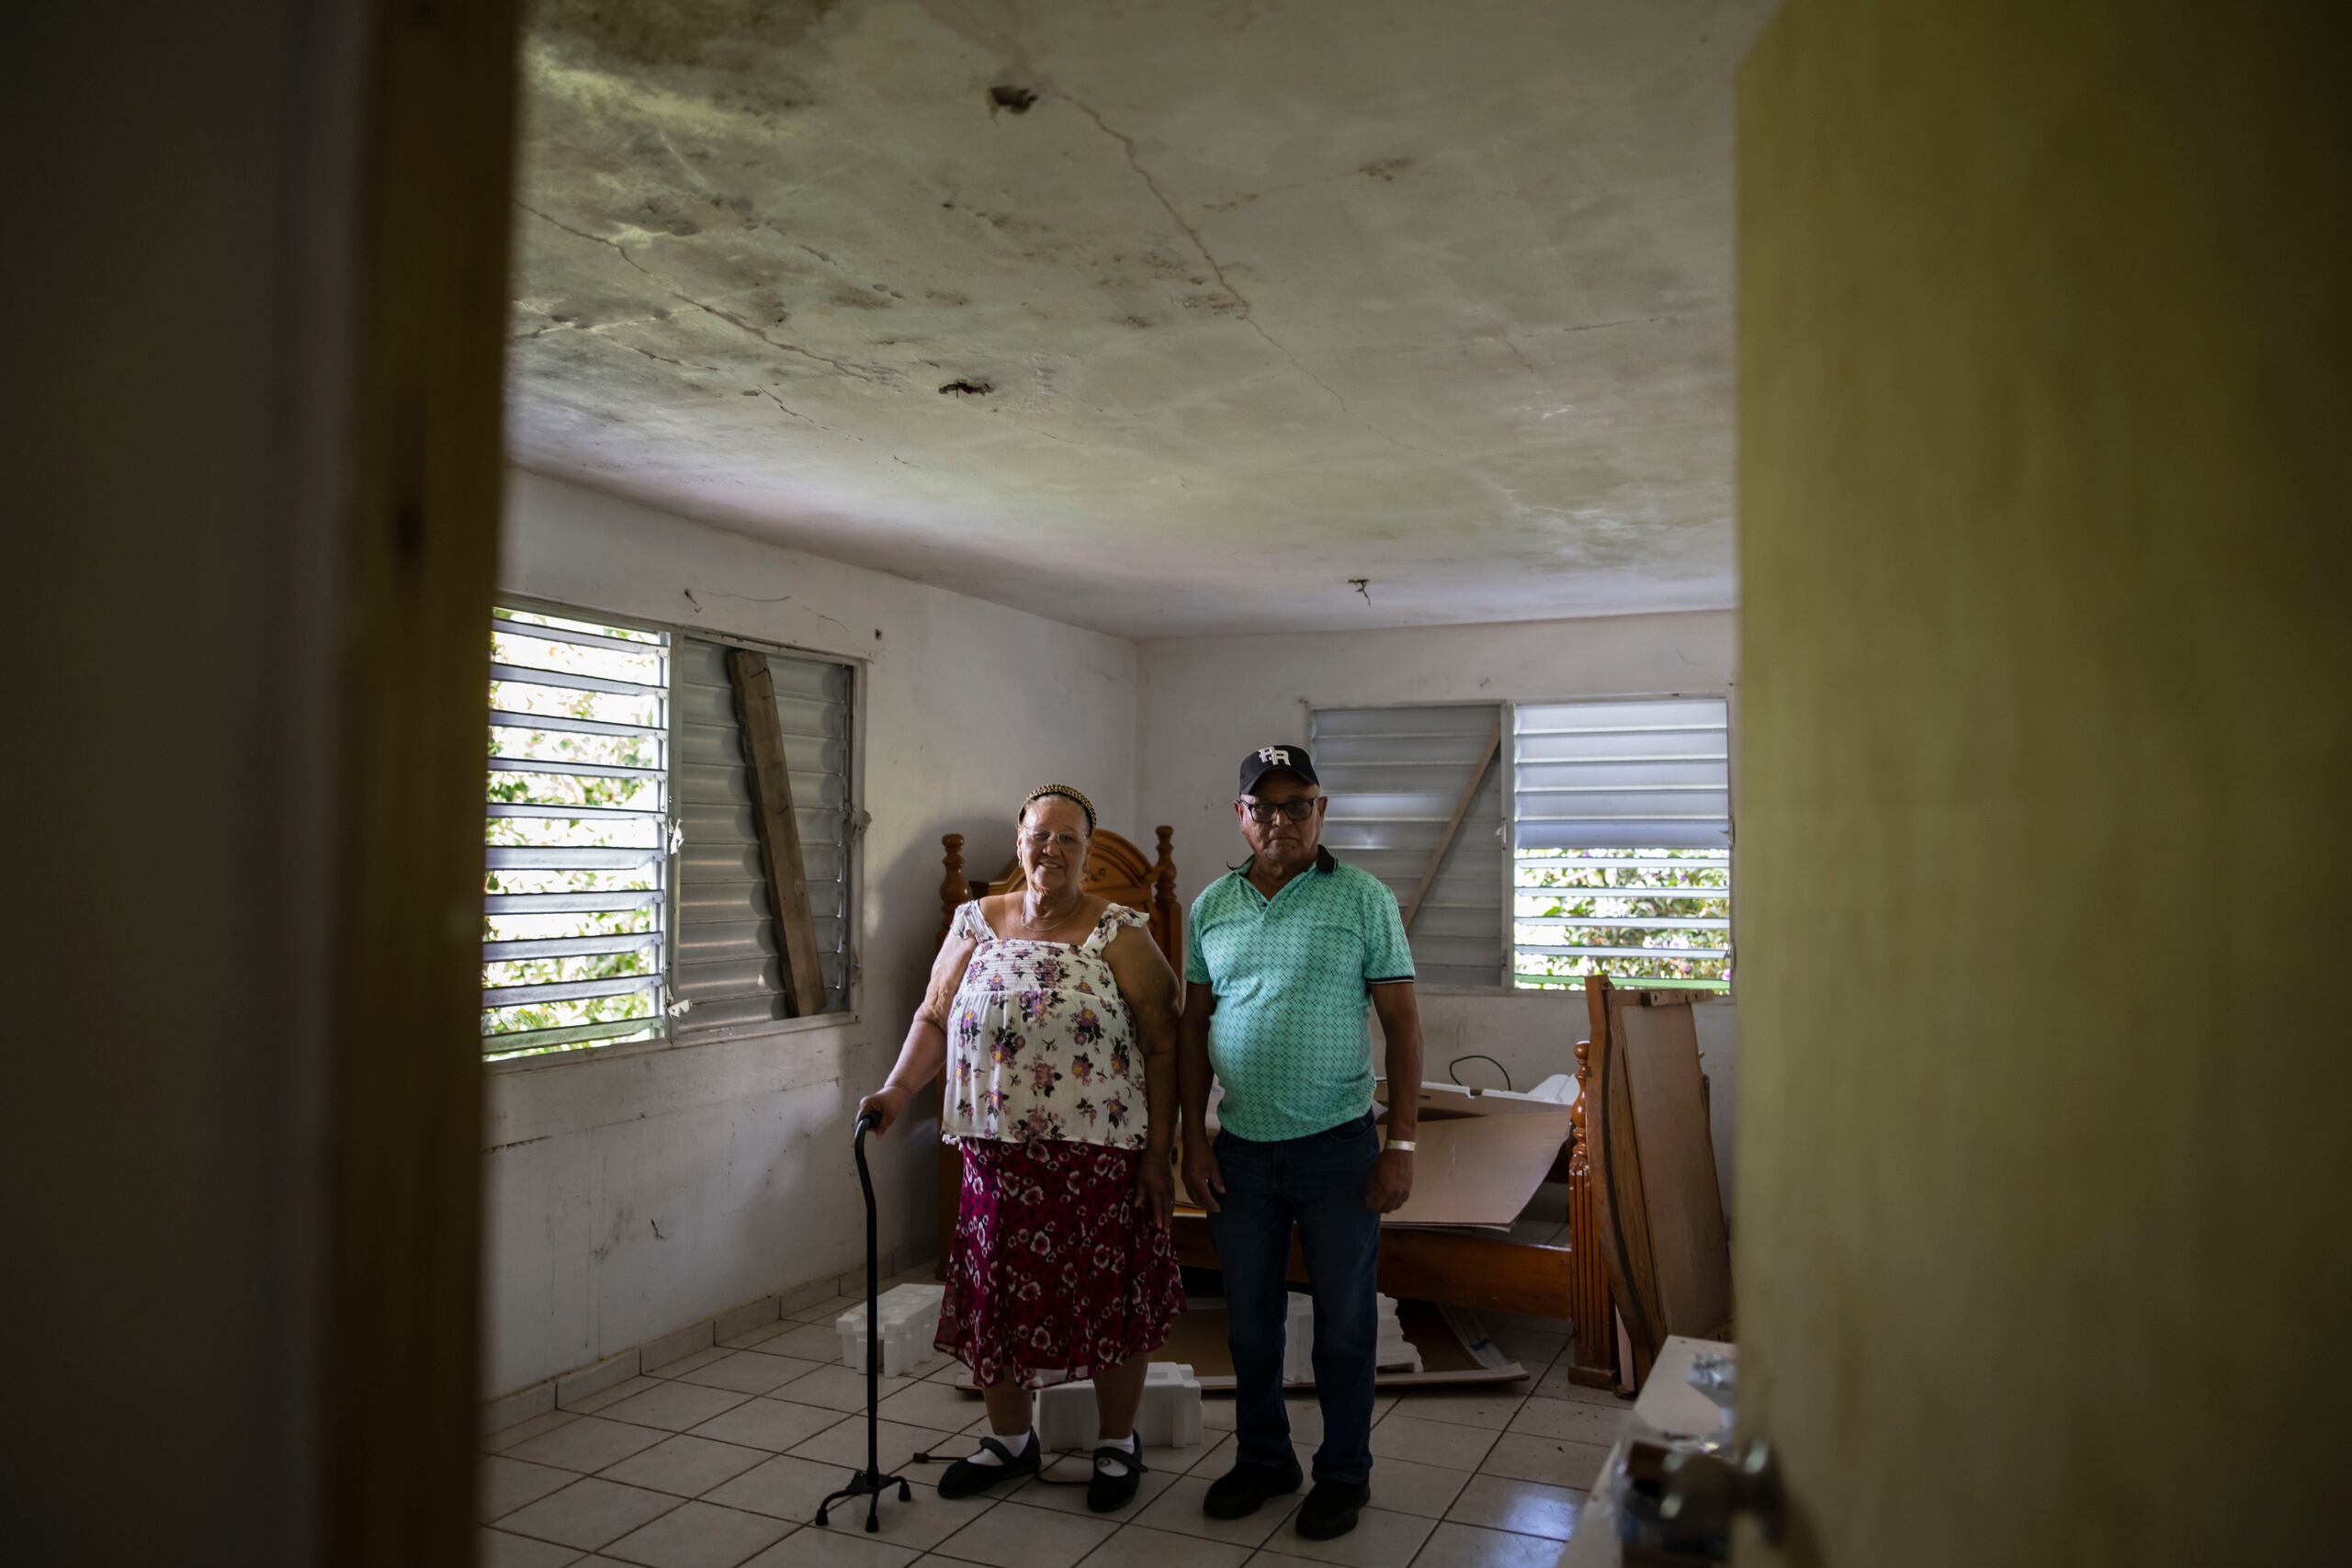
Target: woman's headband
<point x="1067" y="792"/>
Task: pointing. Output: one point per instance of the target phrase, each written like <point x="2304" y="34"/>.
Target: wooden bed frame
<point x="1458" y="1268"/>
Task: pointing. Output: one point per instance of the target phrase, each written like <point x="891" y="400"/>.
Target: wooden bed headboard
<point x="1115" y="869"/>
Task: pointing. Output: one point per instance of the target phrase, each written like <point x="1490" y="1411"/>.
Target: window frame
<point x="1506" y="983"/>
<point x="847" y="1012"/>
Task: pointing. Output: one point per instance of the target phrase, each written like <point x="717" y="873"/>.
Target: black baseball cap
<point x="1276" y="760"/>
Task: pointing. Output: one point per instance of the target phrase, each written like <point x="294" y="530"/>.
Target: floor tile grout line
<point x="690" y="1431"/>
<point x="805" y="1321"/>
<point x="675" y="1504"/>
<point x="1499" y="1529"/>
<point x="794" y="1525"/>
<point x="557" y="1406"/>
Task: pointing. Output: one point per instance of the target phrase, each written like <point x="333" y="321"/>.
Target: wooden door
<point x="2042" y="769"/>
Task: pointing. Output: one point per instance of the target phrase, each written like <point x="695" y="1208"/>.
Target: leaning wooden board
<point x="1687" y="1234"/>
<point x="1658" y="1207"/>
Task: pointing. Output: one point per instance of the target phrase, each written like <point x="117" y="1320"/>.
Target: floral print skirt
<point x="1057" y="1271"/>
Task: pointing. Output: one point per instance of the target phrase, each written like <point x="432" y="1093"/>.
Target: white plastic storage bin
<point x="910" y="1322"/>
<point x="1169" y="1417"/>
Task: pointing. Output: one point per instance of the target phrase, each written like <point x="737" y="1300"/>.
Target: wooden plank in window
<point x="1461" y="809"/>
<point x="779" y="830"/>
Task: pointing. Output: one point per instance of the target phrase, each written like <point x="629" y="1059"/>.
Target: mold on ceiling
<point x="1164" y="317"/>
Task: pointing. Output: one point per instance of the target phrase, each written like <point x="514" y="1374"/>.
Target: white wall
<point x="636" y="1192"/>
<point x="1208" y="700"/>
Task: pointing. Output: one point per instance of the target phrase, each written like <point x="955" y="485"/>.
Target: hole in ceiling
<point x="1017" y="99"/>
<point x="964" y="388"/>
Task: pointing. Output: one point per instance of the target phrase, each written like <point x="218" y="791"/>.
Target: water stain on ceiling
<point x="1233" y="305"/>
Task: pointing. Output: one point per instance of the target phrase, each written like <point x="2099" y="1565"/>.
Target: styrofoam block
<point x="908" y="1318"/>
<point x="1298" y="1341"/>
<point x="903" y="1356"/>
<point x="1169" y="1418"/>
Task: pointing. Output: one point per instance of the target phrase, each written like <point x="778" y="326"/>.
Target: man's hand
<point x="1203" y="1179"/>
<point x="1392" y="1181"/>
<point x="1155" y="1187"/>
<point x="885" y="1103"/>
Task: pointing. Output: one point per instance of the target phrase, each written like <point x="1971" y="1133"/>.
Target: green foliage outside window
<point x="1672" y="885"/>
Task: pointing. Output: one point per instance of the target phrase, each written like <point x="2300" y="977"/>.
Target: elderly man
<point x="1288" y="952"/>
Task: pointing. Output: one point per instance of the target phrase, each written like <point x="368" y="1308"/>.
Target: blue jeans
<point x="1317" y="1184"/>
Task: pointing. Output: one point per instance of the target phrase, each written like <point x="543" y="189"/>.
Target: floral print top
<point x="1040" y="1044"/>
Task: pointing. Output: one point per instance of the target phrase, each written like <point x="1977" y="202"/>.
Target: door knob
<point x="1704" y="1492"/>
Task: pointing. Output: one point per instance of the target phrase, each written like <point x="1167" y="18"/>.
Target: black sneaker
<point x="965" y="1479"/>
<point x="1331" y="1509"/>
<point x="1239" y="1491"/>
<point x="1118" y="1471"/>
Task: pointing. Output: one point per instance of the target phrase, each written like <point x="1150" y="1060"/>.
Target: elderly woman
<point x="1054" y="1017"/>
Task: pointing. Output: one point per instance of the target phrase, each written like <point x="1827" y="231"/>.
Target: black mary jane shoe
<point x="1330" y="1509"/>
<point x="1118" y="1471"/>
<point x="965" y="1479"/>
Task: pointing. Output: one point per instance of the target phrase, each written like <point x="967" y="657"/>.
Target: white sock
<point x="1131" y="1442"/>
<point x="1018" y="1445"/>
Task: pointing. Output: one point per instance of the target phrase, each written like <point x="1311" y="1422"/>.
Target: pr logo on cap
<point x="1257" y="765"/>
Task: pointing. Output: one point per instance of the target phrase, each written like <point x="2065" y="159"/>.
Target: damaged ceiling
<point x="1163" y="317"/>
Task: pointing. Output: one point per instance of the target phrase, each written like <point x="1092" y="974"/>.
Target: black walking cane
<point x="870" y="1482"/>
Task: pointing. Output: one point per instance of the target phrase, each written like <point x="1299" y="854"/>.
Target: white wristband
<point x="1404" y="1144"/>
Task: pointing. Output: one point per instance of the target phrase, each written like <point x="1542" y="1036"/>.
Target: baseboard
<point x="504" y="1410"/>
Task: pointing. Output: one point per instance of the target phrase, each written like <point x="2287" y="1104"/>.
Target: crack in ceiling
<point x="1441" y="293"/>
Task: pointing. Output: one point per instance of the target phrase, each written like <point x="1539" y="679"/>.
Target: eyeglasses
<point x="1265" y="812"/>
<point x="1039" y="840"/>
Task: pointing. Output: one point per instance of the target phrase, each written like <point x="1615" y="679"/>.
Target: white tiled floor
<point x="720" y="1459"/>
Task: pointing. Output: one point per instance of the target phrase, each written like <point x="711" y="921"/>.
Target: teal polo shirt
<point x="1292" y="976"/>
